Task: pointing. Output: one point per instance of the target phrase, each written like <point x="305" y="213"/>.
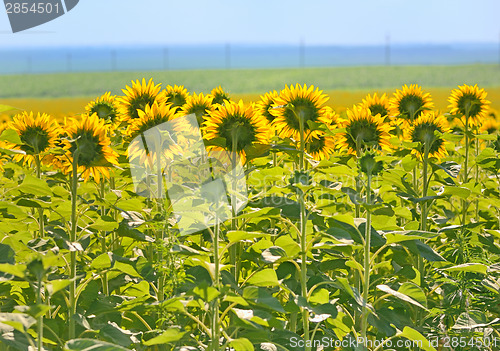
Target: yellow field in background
<point x="339" y="100"/>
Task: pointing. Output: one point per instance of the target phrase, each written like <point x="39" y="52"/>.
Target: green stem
<point x="104" y="248"/>
<point x="215" y="313"/>
<point x="40" y="319"/>
<point x="366" y="265"/>
<point x="476" y="168"/>
<point x="235" y="250"/>
<point x="303" y="238"/>
<point x="72" y="286"/>
<point x="465" y="204"/>
<point x="423" y="219"/>
<point x="114" y="244"/>
<point x="160" y="233"/>
<point x="40" y="210"/>
<point x="423" y="214"/>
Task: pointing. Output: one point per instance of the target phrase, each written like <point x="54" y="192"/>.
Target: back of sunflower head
<point x="170" y="162"/>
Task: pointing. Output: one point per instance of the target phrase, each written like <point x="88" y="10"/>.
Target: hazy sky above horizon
<point x="316" y="22"/>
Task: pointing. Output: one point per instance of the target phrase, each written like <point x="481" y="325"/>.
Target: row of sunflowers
<point x="376" y="223"/>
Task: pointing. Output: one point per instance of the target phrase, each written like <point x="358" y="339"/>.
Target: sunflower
<point x="38" y="135"/>
<point x="470" y="103"/>
<point x="490" y="125"/>
<point x="409" y="103"/>
<point x="138" y="97"/>
<point x="320" y="146"/>
<point x="155" y="117"/>
<point x="377" y="105"/>
<point x="266" y="103"/>
<point x="176" y="95"/>
<point x="240" y="126"/>
<point x="298" y="105"/>
<point x="362" y="130"/>
<point x="199" y="105"/>
<point x="88" y="135"/>
<point x="219" y="96"/>
<point x="105" y="106"/>
<point x="425" y="130"/>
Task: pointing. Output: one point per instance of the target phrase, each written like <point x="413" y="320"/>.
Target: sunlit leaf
<point x="413" y="335"/>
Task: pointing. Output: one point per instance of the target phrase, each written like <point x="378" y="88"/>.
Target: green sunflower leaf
<point x="168" y="336"/>
<point x="5" y="108"/>
<point x="11" y="136"/>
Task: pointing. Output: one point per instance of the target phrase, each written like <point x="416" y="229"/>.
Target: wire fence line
<point x="235" y="56"/>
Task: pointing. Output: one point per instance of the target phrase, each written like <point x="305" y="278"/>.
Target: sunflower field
<point x="168" y="220"/>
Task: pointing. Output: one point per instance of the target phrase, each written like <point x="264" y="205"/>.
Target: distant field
<point x="254" y="81"/>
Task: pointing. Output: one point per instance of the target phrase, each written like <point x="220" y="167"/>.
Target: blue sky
<point x="323" y="22"/>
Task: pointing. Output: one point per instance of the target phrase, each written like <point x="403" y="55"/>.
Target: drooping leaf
<point x="469" y="267"/>
<point x="399" y="295"/>
<point x="474" y="319"/>
<point x="450" y="167"/>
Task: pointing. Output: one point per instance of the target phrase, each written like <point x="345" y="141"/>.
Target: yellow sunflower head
<point x="469" y="102"/>
<point x="162" y="135"/>
<point x="87" y="141"/>
<point x="138" y="97"/>
<point x="38" y="135"/>
<point x="426" y="130"/>
<point x="320" y="146"/>
<point x="409" y="103"/>
<point x="363" y="130"/>
<point x="219" y="96"/>
<point x="105" y="106"/>
<point x="199" y="105"/>
<point x="240" y="126"/>
<point x="295" y="106"/>
<point x="265" y="104"/>
<point x="377" y="105"/>
<point x="490" y="125"/>
<point x="176" y="95"/>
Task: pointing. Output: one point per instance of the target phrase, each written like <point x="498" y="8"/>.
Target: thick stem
<point x="476" y="171"/>
<point x="423" y="219"/>
<point x="160" y="233"/>
<point x="423" y="212"/>
<point x="465" y="204"/>
<point x="40" y="210"/>
<point x="72" y="286"/>
<point x="215" y="313"/>
<point x="40" y="319"/>
<point x="104" y="249"/>
<point x="366" y="265"/>
<point x="114" y="244"/>
<point x="235" y="249"/>
<point x="303" y="237"/>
